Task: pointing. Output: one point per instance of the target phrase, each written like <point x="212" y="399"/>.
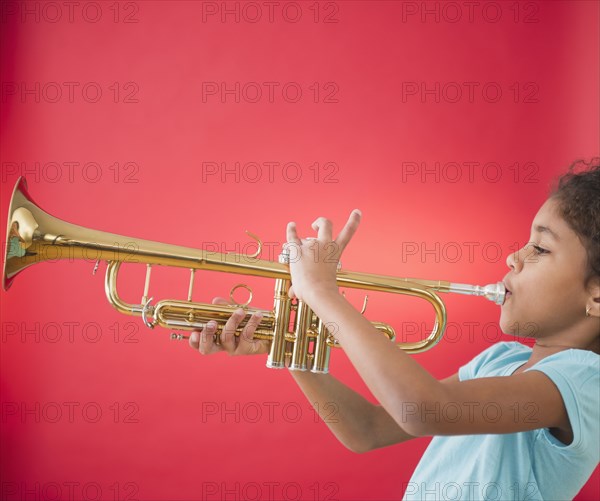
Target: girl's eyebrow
<point x="544" y="229"/>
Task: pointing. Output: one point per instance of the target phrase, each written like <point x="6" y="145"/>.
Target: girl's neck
<point x="546" y="347"/>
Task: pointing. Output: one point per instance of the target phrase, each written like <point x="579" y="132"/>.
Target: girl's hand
<point x="244" y="344"/>
<point x="313" y="261"/>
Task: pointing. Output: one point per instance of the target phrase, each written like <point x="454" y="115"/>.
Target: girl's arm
<point x="356" y="423"/>
<point x="418" y="402"/>
<point x="397" y="381"/>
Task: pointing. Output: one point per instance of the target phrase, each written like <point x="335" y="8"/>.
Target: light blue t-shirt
<point x="531" y="465"/>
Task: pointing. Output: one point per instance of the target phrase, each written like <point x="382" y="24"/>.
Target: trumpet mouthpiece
<point x="494" y="292"/>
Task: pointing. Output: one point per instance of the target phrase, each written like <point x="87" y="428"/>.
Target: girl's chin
<point x="516" y="328"/>
<point x="509" y="326"/>
<point x="504" y="322"/>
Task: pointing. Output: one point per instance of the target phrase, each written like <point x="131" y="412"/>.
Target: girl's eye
<point x="538" y="250"/>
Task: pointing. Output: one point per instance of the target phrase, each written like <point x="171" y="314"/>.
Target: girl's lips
<point x="507" y="295"/>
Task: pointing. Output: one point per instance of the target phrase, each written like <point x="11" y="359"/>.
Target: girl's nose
<point x="514" y="261"/>
<point x="510" y="260"/>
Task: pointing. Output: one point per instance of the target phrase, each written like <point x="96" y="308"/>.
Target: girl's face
<point x="545" y="280"/>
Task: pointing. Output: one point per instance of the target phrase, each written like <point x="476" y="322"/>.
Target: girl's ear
<point x="592" y="308"/>
<point x="593" y="288"/>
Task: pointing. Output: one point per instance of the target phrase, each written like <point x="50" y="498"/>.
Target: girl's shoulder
<point x="577" y="365"/>
<point x="494" y="360"/>
<point x="576" y="354"/>
<point x="504" y="349"/>
<point x="503" y="357"/>
<point x="511" y="346"/>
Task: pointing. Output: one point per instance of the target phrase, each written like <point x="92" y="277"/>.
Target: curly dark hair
<point x="578" y="196"/>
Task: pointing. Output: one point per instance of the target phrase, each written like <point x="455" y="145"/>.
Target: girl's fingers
<point x="324" y="228"/>
<point x="194" y="339"/>
<point x="247" y="344"/>
<point x="349" y="230"/>
<point x="222" y="301"/>
<point x="203" y="341"/>
<point x="292" y="234"/>
<point x="228" y="332"/>
<point x="207" y="339"/>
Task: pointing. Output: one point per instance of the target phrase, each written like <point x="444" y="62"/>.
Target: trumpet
<point x="303" y="342"/>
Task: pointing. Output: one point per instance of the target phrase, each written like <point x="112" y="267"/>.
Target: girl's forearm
<point x="398" y="382"/>
<point x="356" y="423"/>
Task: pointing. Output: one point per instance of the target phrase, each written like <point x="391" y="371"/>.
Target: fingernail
<point x="358" y="212"/>
<point x="195" y="337"/>
<point x="259" y="315"/>
<point x="211" y="325"/>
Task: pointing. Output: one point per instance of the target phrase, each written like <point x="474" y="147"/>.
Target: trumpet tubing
<point x="34" y="236"/>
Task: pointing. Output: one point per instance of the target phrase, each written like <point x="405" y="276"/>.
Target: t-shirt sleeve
<point x="576" y="374"/>
<point x="471" y="369"/>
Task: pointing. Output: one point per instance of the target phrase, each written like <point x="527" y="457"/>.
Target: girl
<point x="518" y="422"/>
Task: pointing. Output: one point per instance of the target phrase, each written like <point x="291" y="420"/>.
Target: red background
<point x="164" y="445"/>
